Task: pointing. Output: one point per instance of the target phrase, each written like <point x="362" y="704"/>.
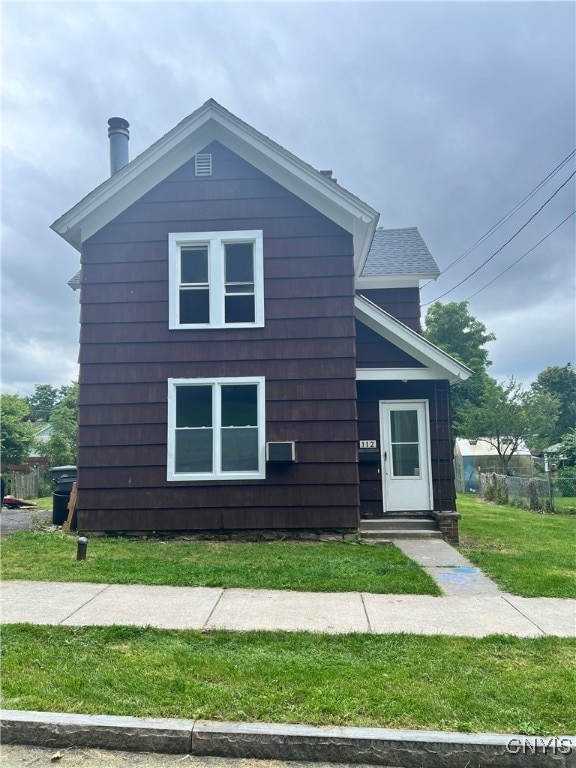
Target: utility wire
<point x="521" y="257"/>
<point x="505" y="218"/>
<point x="425" y="304"/>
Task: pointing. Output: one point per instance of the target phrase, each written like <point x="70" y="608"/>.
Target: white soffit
<point x="373" y="282"/>
<point x="212" y="122"/>
<point x="437" y="362"/>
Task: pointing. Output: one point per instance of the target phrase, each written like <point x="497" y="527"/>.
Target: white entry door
<point x="405" y="442"/>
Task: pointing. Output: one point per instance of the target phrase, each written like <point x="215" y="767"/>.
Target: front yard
<point x="498" y="683"/>
<point x="305" y="567"/>
<point x="526" y="553"/>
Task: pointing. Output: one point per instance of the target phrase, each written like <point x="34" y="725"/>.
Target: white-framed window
<point x="216" y="429"/>
<point x="216" y="279"/>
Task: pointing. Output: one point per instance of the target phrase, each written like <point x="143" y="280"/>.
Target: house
<point x="250" y="347"/>
<point x="472" y="457"/>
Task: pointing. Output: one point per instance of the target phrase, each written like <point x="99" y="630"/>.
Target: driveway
<point x="21" y="519"/>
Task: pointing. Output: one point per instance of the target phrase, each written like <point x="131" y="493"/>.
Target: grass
<point x="44" y="502"/>
<point x="316" y="567"/>
<point x="526" y="553"/>
<point x="497" y="683"/>
<point x="564" y="502"/>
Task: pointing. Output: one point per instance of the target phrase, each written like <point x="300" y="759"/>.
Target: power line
<point x="505" y="218"/>
<point x="502" y="246"/>
<point x="521" y="257"/>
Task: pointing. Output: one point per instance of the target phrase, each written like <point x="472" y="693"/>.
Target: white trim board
<point x="209" y="123"/>
<point x="438" y="364"/>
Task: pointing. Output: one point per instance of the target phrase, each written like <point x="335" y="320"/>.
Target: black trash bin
<point x="63" y="478"/>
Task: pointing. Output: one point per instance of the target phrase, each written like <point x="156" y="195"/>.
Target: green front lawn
<point x="315" y="567"/>
<point x="526" y="553"/>
<point x="497" y="683"/>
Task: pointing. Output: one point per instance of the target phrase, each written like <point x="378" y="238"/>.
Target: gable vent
<point x="203" y="165"/>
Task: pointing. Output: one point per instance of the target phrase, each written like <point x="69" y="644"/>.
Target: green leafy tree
<point x="510" y="416"/>
<point x="18" y="433"/>
<point x="560" y="381"/>
<point x="63" y="445"/>
<point x="452" y="328"/>
<point x="43" y="400"/>
<point x="568" y="449"/>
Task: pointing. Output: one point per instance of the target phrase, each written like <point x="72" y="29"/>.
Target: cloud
<point x="440" y="115"/>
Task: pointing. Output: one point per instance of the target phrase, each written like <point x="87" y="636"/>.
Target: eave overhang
<point x="371" y="282"/>
<point x="437" y="364"/>
<point x="212" y="122"/>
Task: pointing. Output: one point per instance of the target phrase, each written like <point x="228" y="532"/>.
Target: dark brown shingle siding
<point x="306" y="351"/>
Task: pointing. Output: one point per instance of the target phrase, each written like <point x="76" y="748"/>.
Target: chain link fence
<point x="543" y="494"/>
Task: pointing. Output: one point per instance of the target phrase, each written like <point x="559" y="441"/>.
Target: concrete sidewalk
<point x="77" y="604"/>
<point x="473" y="606"/>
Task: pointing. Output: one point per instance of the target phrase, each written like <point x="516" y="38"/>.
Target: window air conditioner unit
<point x="277" y="452"/>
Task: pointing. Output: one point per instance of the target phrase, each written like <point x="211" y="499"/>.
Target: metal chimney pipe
<point x="119" y="136"/>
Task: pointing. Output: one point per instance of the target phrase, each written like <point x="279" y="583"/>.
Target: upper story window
<point x="216" y="279"/>
<point x="216" y="428"/>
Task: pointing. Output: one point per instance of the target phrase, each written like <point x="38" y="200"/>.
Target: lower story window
<point x="216" y="428"/>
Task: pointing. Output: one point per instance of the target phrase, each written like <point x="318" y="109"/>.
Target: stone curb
<point x="375" y="746"/>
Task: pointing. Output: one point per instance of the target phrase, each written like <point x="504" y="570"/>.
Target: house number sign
<point x="368" y="444"/>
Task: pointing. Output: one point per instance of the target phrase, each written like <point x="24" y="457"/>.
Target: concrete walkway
<point x="454" y="574"/>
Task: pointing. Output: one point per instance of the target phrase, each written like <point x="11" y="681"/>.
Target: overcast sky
<point x="442" y="116"/>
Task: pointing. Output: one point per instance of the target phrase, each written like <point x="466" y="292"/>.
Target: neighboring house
<point x="250" y="348"/>
<point x="43" y="437"/>
<point x="474" y="456"/>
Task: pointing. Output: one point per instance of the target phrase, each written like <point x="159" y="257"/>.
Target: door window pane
<point x="239" y="449"/>
<point x="239" y="406"/>
<point x="404" y="426"/>
<point x="405" y="460"/>
<point x="194" y="406"/>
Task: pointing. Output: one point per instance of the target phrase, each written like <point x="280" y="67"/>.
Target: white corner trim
<point x="409" y="341"/>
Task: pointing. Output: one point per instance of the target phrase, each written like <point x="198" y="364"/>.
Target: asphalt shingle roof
<point x="399" y="252"/>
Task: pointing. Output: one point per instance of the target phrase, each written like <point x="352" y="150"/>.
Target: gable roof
<point x="397" y="257"/>
<point x="400" y="252"/>
<point x="208" y="123"/>
<point x="437" y="364"/>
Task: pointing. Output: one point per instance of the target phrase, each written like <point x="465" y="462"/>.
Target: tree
<point x="43" y="400"/>
<point x="569" y="448"/>
<point x="510" y="416"/>
<point x="452" y="328"/>
<point x="560" y="381"/>
<point x="63" y="445"/>
<point x="18" y="433"/>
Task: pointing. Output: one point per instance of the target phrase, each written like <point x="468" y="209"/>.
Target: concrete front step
<point x="386" y="535"/>
<point x="399" y="523"/>
<point x="399" y="527"/>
